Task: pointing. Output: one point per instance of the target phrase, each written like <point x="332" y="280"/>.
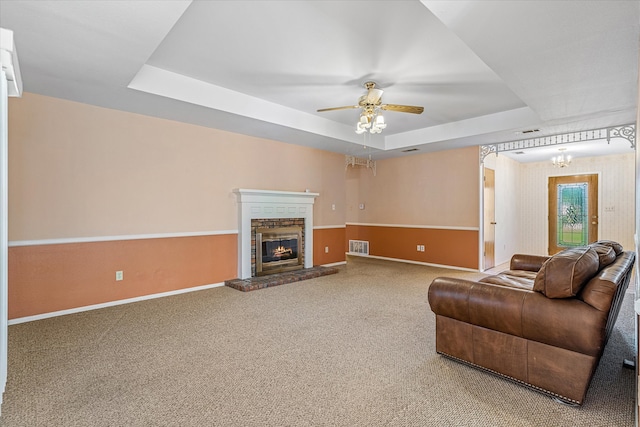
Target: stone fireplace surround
<point x="269" y="204"/>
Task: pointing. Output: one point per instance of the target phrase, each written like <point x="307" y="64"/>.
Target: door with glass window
<point x="573" y="211"/>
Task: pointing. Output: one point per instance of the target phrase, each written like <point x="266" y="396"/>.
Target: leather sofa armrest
<point x="527" y="262"/>
<point x="449" y="297"/>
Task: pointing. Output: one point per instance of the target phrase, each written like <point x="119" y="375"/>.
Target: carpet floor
<point x="355" y="348"/>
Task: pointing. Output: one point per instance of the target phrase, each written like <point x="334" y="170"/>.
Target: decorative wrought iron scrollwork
<point x="485" y="150"/>
<point x="627" y="132"/>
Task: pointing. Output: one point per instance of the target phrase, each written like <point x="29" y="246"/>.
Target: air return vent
<point x="360" y="247"/>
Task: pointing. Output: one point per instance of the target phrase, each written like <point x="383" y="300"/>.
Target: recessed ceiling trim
<point x="503" y="121"/>
<point x="176" y="86"/>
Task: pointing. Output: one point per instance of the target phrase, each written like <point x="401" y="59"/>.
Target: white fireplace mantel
<point x="268" y="204"/>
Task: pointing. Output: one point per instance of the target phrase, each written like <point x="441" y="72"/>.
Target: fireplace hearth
<point x="271" y="280"/>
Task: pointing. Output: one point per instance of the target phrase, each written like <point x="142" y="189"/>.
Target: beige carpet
<point x="351" y="349"/>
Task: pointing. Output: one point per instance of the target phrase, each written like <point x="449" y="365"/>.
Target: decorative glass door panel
<point x="573" y="211"/>
<point x="572" y="216"/>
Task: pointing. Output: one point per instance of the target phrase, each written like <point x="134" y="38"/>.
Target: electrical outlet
<point x="418" y="248"/>
<point x="333" y="207"/>
<point x="119" y="276"/>
<point x="421" y="248"/>
<point x="361" y="206"/>
<point x="326" y="249"/>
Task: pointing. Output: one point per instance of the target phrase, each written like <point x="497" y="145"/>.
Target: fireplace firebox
<point x="278" y="250"/>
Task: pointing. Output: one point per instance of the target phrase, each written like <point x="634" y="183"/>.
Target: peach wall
<point x="457" y="248"/>
<point x="49" y="278"/>
<point x="333" y="239"/>
<point x="435" y="199"/>
<point x="78" y="170"/>
<point x="80" y="173"/>
<point x="55" y="277"/>
<point x="83" y="172"/>
<point x="434" y="189"/>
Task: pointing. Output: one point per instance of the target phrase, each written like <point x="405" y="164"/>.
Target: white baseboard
<point x="110" y="304"/>
<point x="335" y="264"/>
<point x="407" y="261"/>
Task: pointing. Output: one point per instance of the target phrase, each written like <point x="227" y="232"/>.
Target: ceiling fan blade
<point x="402" y="108"/>
<point x="347" y="107"/>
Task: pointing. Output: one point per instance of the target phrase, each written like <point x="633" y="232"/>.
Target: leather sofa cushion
<point x="531" y="275"/>
<point x="606" y="254"/>
<point x="615" y="245"/>
<point x="509" y="280"/>
<point x="565" y="273"/>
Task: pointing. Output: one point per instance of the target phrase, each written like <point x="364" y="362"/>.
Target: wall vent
<point x="360" y="247"/>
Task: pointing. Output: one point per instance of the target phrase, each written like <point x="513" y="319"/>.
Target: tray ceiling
<point x="484" y="71"/>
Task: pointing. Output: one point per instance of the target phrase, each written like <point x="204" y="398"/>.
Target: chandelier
<point x="372" y="119"/>
<point x="560" y="161"/>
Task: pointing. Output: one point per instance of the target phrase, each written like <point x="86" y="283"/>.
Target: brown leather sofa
<point x="543" y="323"/>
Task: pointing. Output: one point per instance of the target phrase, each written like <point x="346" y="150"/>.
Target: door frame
<point x="488" y="223"/>
<point x="547" y="207"/>
<point x="4" y="234"/>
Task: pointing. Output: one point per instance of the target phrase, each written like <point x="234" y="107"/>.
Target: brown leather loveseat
<point x="543" y="323"/>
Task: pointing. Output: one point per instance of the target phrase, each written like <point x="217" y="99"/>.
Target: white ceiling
<point x="483" y="70"/>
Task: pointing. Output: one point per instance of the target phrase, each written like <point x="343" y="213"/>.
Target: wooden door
<point x="489" y="218"/>
<point x="573" y="211"/>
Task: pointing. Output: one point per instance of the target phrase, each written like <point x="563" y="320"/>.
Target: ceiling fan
<point x="371" y="104"/>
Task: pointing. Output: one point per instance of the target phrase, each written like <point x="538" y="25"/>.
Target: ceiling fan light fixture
<point x="371" y="105"/>
<point x="365" y="121"/>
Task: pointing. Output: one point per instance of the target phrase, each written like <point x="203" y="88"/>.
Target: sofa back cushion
<point x="617" y="247"/>
<point x="606" y="254"/>
<point x="565" y="273"/>
<point x="601" y="289"/>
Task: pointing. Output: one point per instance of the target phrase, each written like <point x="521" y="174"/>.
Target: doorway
<point x="573" y="211"/>
<point x="489" y="218"/>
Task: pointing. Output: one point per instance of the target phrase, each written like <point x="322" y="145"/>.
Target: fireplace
<point x="278" y="250"/>
<point x="272" y="205"/>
